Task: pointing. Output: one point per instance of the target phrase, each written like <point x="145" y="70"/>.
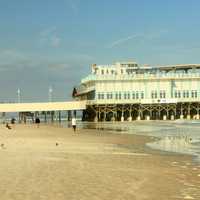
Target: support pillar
<point x="45" y="117"/>
<point x="52" y="116"/>
<point x="122" y="117"/>
<point x="188" y="113"/>
<point x="69" y="115"/>
<point x="181" y="116"/>
<point x="164" y="117"/>
<point x="147" y="117"/>
<point x="138" y="118"/>
<point x="188" y="116"/>
<point x="59" y="116"/>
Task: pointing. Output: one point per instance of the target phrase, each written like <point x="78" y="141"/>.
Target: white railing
<point x="141" y="101"/>
<point x="93" y="77"/>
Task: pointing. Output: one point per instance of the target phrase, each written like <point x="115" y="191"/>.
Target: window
<point x="179" y="94"/>
<point x="162" y="94"/>
<point x="194" y="94"/>
<point x="128" y="96"/>
<point x="175" y="94"/>
<point x="120" y="95"/>
<point x="124" y="95"/>
<point x="184" y="94"/>
<point x="142" y="95"/>
<point x="102" y="71"/>
<point x="116" y="96"/>
<point x="187" y="94"/>
<point x="99" y="96"/>
<point x="154" y="94"/>
<point x="137" y="95"/>
<point x="133" y="95"/>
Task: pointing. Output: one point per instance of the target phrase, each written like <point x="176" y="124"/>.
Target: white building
<point x="127" y="91"/>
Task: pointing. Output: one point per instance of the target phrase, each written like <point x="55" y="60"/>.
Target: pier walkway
<point x="50" y="106"/>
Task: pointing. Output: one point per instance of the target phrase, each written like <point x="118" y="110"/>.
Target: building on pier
<point x="129" y="91"/>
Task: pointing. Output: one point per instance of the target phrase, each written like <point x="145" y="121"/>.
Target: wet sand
<point x="54" y="163"/>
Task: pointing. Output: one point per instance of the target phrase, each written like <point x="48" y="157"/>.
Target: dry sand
<point x="53" y="163"/>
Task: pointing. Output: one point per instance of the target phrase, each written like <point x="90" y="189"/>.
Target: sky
<point x="52" y="43"/>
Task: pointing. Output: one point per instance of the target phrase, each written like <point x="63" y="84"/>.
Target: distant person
<point x="8" y="126"/>
<point x="37" y="121"/>
<point x="13" y="121"/>
<point x="74" y="123"/>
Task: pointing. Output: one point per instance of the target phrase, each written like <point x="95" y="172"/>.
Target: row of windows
<point x="161" y="94"/>
<point x="120" y="95"/>
<point x="185" y="94"/>
<point x="154" y="94"/>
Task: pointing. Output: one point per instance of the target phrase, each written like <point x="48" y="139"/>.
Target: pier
<point x="32" y="110"/>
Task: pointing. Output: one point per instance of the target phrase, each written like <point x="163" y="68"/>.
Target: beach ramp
<point x="50" y="106"/>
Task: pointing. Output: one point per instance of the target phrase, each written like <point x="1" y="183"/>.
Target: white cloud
<point x="122" y="40"/>
<point x="139" y="37"/>
<point x="50" y="37"/>
<point x="55" y="41"/>
<point x="73" y="4"/>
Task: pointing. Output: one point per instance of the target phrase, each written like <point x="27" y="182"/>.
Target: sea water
<point x="180" y="136"/>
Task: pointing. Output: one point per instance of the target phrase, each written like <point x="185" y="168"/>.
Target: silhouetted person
<point x="12" y="120"/>
<point x="8" y="126"/>
<point x="37" y="121"/>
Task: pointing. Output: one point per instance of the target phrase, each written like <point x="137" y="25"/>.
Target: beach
<point x="54" y="163"/>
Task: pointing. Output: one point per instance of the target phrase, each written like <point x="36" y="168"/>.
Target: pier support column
<point x="59" y="116"/>
<point x="147" y="117"/>
<point x="69" y="115"/>
<point x="164" y="117"/>
<point x="138" y="118"/>
<point x="113" y="117"/>
<point x="188" y="113"/>
<point x="197" y="116"/>
<point x="130" y="119"/>
<point x="96" y="119"/>
<point x="181" y="116"/>
<point x="104" y="116"/>
<point x="52" y="116"/>
<point x="122" y="117"/>
<point x="172" y="117"/>
<point x="45" y="116"/>
<point x="188" y="117"/>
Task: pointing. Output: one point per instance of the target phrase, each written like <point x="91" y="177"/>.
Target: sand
<point x="54" y="163"/>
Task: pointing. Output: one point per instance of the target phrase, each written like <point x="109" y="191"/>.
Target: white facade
<point x="130" y="83"/>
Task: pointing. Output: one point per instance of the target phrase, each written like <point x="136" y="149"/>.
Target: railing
<point x="141" y="101"/>
<point x="93" y="77"/>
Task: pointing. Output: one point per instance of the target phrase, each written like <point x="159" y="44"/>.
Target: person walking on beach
<point x="74" y="123"/>
<point x="37" y="121"/>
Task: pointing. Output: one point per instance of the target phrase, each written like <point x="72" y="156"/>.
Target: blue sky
<point x="53" y="43"/>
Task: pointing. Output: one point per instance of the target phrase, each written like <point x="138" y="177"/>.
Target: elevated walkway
<point x="50" y="106"/>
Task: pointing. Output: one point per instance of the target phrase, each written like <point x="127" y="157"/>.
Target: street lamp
<point x="50" y="94"/>
<point x="18" y="95"/>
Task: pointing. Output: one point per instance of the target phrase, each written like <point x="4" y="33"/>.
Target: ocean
<point x="180" y="136"/>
